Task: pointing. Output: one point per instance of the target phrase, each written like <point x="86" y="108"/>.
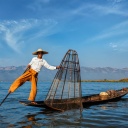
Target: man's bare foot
<point x="33" y="102"/>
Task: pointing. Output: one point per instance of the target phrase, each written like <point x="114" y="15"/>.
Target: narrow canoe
<point x="87" y="101"/>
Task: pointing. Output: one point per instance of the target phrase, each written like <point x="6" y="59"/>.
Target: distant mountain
<point x="109" y="73"/>
<point x="10" y="73"/>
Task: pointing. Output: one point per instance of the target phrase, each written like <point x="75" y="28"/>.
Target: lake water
<point x="109" y="115"/>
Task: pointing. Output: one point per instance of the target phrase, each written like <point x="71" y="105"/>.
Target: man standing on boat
<point x="31" y="74"/>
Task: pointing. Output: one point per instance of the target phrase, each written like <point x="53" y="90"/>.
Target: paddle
<point x="10" y="92"/>
<point x="4" y="99"/>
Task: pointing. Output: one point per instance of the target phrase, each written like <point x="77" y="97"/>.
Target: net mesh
<point x="65" y="90"/>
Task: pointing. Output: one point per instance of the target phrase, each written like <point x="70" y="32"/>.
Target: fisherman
<point x="31" y="74"/>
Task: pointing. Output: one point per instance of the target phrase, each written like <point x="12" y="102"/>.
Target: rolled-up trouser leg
<point x="33" y="87"/>
<point x="19" y="81"/>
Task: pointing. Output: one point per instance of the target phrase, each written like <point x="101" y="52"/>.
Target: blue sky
<point x="96" y="29"/>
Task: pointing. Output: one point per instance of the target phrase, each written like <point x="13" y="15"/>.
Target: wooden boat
<point x="89" y="100"/>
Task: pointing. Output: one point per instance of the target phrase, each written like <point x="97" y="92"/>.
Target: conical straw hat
<point x="40" y="50"/>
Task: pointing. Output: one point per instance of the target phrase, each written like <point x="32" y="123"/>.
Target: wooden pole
<point x="4" y="99"/>
<point x="10" y="92"/>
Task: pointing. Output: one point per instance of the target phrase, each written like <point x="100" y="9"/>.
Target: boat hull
<point x="87" y="101"/>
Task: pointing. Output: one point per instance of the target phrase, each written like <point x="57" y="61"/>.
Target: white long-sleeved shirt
<point x="37" y="64"/>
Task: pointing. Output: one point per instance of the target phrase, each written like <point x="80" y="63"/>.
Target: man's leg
<point x="33" y="88"/>
<point x="19" y="81"/>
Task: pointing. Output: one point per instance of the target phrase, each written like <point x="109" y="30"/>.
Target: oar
<point x="10" y="92"/>
<point x="4" y="99"/>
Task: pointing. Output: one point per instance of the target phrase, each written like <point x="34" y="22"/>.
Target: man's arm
<point x="49" y="66"/>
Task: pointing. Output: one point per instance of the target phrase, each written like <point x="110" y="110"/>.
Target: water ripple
<point x="109" y="115"/>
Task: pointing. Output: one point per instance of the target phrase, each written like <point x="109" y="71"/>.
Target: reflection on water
<point x="109" y="115"/>
<point x="113" y="105"/>
<point x="68" y="118"/>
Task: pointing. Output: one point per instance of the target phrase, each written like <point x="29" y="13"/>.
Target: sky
<point x="96" y="29"/>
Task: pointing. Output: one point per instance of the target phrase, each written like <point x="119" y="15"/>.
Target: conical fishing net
<point x="65" y="90"/>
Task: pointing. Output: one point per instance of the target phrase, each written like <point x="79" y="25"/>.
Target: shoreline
<point x="121" y="80"/>
<point x="105" y="80"/>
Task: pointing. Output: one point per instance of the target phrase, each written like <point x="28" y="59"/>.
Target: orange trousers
<point x="31" y="76"/>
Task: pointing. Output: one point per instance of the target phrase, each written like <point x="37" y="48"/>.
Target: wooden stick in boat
<point x="10" y="92"/>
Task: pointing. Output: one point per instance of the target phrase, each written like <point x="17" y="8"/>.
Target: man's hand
<point x="29" y="66"/>
<point x="58" y="67"/>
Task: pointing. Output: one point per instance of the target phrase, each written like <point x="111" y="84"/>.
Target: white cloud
<point x="102" y="10"/>
<point x="106" y="10"/>
<point x="11" y="32"/>
<point x="15" y="33"/>
<point x="116" y="35"/>
<point x="116" y="30"/>
<point x="37" y="5"/>
<point x="120" y="45"/>
<point x="83" y="9"/>
<point x="116" y="1"/>
<point x="113" y="46"/>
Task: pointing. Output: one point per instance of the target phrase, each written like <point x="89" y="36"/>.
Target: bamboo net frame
<point x="65" y="90"/>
